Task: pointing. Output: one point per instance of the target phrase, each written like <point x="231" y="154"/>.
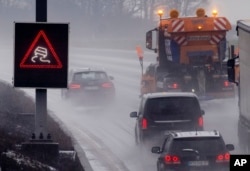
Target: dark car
<point x="161" y="112"/>
<point x="194" y="150"/>
<point x="90" y="86"/>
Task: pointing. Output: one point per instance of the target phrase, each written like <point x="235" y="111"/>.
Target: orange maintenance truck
<point x="191" y="55"/>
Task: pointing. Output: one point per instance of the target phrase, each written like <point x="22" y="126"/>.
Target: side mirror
<point x="133" y="115"/>
<point x="156" y="150"/>
<point x="202" y="112"/>
<point x="230" y="147"/>
<point x="111" y="78"/>
<point x="149" y="40"/>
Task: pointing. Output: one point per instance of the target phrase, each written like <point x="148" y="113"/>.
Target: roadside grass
<point x="17" y="125"/>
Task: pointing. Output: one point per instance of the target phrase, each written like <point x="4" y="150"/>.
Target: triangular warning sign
<point x="41" y="54"/>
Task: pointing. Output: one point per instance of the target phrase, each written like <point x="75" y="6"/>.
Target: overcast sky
<point x="232" y="9"/>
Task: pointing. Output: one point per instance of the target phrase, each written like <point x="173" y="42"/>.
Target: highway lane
<point x="107" y="134"/>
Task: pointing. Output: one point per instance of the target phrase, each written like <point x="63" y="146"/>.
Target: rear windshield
<point x="206" y="145"/>
<point x="86" y="76"/>
<point x="173" y="108"/>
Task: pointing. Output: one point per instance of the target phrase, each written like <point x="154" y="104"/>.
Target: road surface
<point x="107" y="134"/>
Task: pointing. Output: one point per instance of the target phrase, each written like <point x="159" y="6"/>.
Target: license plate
<point x="91" y="88"/>
<point x="198" y="163"/>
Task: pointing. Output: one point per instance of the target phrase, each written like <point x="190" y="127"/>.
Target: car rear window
<point x="173" y="108"/>
<point x="206" y="145"/>
<point x="86" y="76"/>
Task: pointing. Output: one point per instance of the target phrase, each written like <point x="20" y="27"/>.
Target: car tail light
<point x="107" y="85"/>
<point x="226" y="84"/>
<point x="173" y="86"/>
<point x="74" y="86"/>
<point x="144" y="123"/>
<point x="172" y="159"/>
<point x="200" y="121"/>
<point x="227" y="156"/>
<point x="223" y="157"/>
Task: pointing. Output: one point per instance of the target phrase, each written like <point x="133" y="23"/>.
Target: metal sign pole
<point x="41" y="94"/>
<point x="40" y="147"/>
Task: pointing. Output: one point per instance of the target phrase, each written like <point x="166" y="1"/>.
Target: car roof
<point x="85" y="69"/>
<point x="169" y="94"/>
<point x="195" y="134"/>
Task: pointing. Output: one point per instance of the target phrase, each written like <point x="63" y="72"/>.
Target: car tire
<point x="163" y="168"/>
<point x="136" y="139"/>
<point x="64" y="95"/>
<point x="143" y="140"/>
<point x="158" y="168"/>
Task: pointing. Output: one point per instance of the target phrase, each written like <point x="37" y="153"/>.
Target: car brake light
<point x="223" y="157"/>
<point x="200" y="121"/>
<point x="226" y="83"/>
<point x="173" y="86"/>
<point x="172" y="159"/>
<point x="74" y="86"/>
<point x="107" y="85"/>
<point x="227" y="156"/>
<point x="220" y="157"/>
<point x="144" y="123"/>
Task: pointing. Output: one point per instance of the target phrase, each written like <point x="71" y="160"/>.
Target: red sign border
<point x="39" y="66"/>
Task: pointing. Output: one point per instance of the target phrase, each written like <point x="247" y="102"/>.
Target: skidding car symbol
<point x="42" y="54"/>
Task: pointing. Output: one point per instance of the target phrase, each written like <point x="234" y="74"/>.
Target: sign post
<point x="41" y="94"/>
<point x="41" y="114"/>
<point x="41" y="61"/>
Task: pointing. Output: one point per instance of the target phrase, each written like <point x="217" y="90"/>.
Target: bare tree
<point x="185" y="7"/>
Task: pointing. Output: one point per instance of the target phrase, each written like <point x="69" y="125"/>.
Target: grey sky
<point x="232" y="9"/>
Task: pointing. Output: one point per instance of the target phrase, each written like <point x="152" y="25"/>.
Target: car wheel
<point x="143" y="143"/>
<point x="64" y="95"/>
<point x="136" y="138"/>
<point x="161" y="167"/>
<point x="158" y="168"/>
<point x="143" y="140"/>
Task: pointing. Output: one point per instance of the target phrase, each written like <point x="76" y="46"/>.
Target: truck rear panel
<point x="244" y="53"/>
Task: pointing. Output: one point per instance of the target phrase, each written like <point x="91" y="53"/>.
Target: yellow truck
<point x="191" y="55"/>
